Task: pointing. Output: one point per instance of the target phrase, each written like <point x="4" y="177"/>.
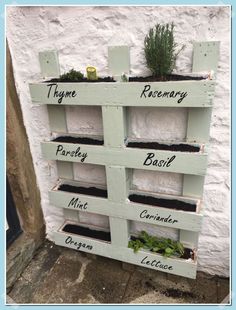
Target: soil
<point x="176" y="293"/>
<point x="78" y="140"/>
<point x="167" y="147"/>
<point x="104" y="79"/>
<point x="188" y="253"/>
<point x="164" y="203"/>
<point x="169" y="77"/>
<point x="91" y="191"/>
<point x="87" y="232"/>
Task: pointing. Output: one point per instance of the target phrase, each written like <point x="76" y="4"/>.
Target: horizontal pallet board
<point x="175" y="94"/>
<point x="182" y="267"/>
<point x="179" y="162"/>
<point x="129" y="210"/>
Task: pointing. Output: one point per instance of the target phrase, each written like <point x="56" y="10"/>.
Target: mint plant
<point x="160" y="50"/>
<point x="166" y="247"/>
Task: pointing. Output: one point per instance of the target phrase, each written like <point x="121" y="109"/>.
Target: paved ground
<point x="60" y="275"/>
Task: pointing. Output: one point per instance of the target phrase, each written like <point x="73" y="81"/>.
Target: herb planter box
<point x="70" y="195"/>
<point x="151" y="159"/>
<point x="154" y="94"/>
<point x="118" y="152"/>
<point x="178" y="266"/>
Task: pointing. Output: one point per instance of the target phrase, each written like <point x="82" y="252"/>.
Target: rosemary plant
<point x="160" y="50"/>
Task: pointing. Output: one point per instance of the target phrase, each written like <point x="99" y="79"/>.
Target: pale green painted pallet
<point x="114" y="97"/>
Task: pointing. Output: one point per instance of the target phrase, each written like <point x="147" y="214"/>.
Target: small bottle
<point x="91" y="73"/>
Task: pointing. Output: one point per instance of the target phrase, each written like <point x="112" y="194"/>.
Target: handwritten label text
<point x="148" y="93"/>
<point x="76" y="153"/>
<point x="55" y="93"/>
<point x="157" y="162"/>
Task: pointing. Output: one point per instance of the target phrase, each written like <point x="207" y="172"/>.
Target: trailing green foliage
<point x="166" y="247"/>
<point x="159" y="48"/>
<point x="72" y="75"/>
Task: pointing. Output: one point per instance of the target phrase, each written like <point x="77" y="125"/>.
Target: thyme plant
<point x="160" y="50"/>
<point x="72" y="75"/>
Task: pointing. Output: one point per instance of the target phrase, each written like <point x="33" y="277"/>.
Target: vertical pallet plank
<point x="57" y="119"/>
<point x="118" y="60"/>
<point x="114" y="124"/>
<point x="205" y="58"/>
<point x="119" y="231"/>
<point x="118" y="185"/>
<point x="49" y="65"/>
<point x="199" y="120"/>
<point x="193" y="185"/>
<point x="118" y="182"/>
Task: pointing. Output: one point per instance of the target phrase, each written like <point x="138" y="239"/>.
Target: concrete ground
<point x="60" y="275"/>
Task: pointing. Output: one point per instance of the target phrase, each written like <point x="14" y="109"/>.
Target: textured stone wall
<point x="81" y="36"/>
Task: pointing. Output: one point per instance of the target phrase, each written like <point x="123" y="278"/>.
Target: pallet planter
<point x="120" y="155"/>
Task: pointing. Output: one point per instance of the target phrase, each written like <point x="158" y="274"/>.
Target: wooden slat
<point x="188" y="163"/>
<point x="199" y="121"/>
<point x="57" y="120"/>
<point x="114" y="126"/>
<point x="205" y="56"/>
<point x="118" y="183"/>
<point x="199" y="93"/>
<point x="189" y="237"/>
<point x="118" y="60"/>
<point x="49" y="64"/>
<point x="193" y="185"/>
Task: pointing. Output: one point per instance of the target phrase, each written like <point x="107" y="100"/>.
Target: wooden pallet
<point x="119" y="160"/>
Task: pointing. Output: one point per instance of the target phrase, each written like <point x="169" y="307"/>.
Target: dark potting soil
<point x="169" y="77"/>
<point x="176" y="293"/>
<point x="188" y="253"/>
<point x="167" y="147"/>
<point x="104" y="79"/>
<point x="164" y="203"/>
<point x="91" y="191"/>
<point x="87" y="232"/>
<point x="78" y="140"/>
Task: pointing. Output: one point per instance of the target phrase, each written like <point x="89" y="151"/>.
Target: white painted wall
<point x="81" y="36"/>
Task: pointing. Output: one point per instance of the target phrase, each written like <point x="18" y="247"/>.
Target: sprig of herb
<point x="72" y="75"/>
<point x="160" y="50"/>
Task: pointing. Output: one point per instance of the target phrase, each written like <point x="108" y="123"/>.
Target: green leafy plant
<point x="160" y="50"/>
<point x="166" y="247"/>
<point x="72" y="75"/>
